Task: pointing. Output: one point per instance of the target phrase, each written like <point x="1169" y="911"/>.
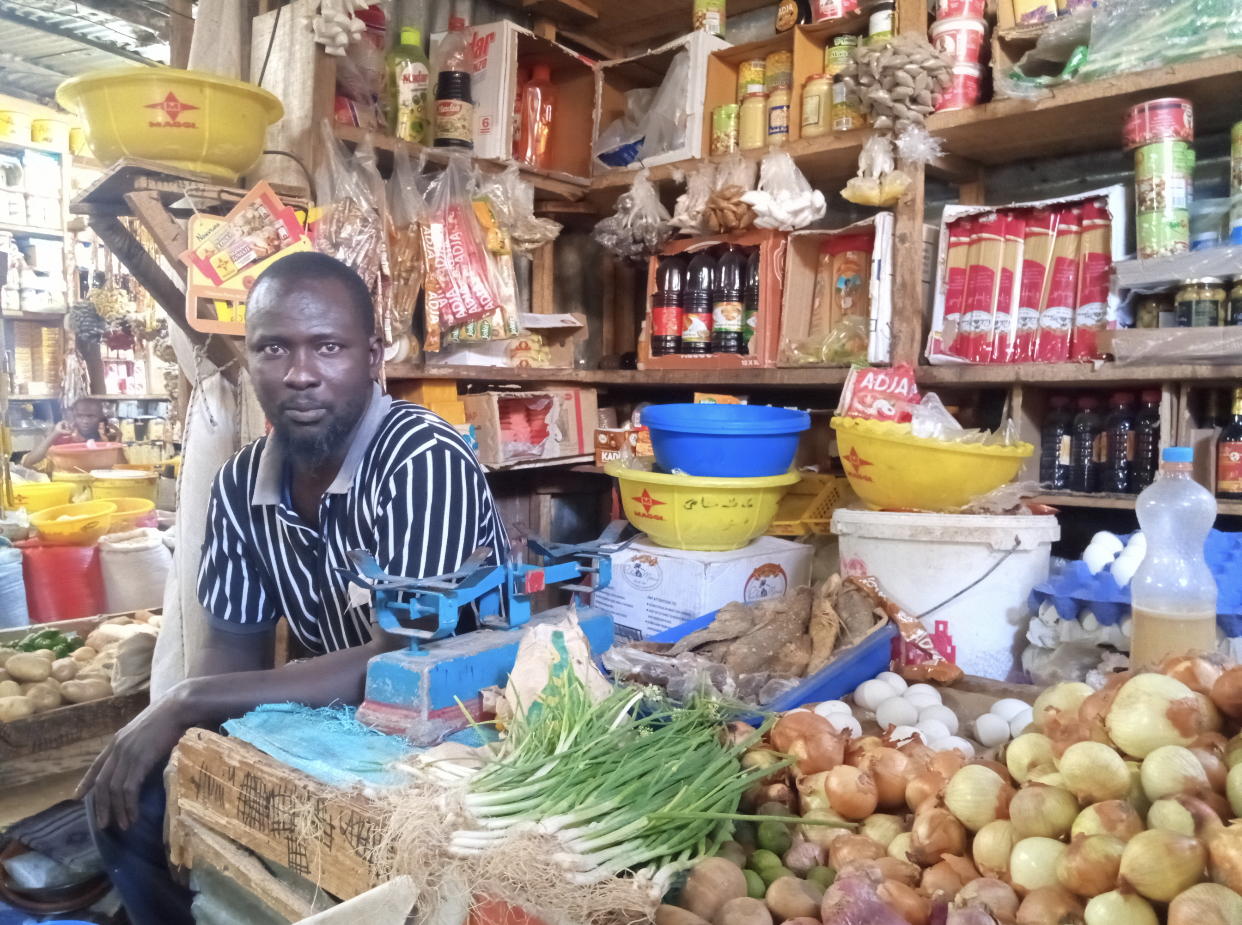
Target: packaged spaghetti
<point x="1037" y="241"/>
<point x="987" y="251"/>
<point x="1095" y="264"/>
<point x="463" y="290"/>
<point x="957" y="259"/>
<point x="1056" y="316"/>
<point x="407" y="214"/>
<point x="1004" y="319"/>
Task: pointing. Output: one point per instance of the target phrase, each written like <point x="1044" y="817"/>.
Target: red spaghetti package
<point x="1004" y="319"/>
<point x="877" y="393"/>
<point x="956" y="261"/>
<point x="1056" y="317"/>
<point x="987" y="250"/>
<point x="463" y="289"/>
<point x="1037" y="241"/>
<point x="1095" y="265"/>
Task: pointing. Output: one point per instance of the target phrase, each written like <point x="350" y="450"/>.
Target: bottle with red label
<point x="696" y="308"/>
<point x="1146" y="441"/>
<point x="1086" y="446"/>
<point x="1229" y="454"/>
<point x="750" y="296"/>
<point x="1119" y="437"/>
<point x="666" y="307"/>
<point x="454" y="106"/>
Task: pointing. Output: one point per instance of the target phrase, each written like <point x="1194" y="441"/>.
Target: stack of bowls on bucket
<point x="717" y="477"/>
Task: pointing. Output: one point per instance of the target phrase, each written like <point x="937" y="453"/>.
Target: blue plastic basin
<point x="725" y="441"/>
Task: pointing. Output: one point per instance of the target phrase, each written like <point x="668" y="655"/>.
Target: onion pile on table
<point x="1112" y="807"/>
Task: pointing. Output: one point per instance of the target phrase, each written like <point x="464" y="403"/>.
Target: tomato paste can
<point x="1168" y="119"/>
<point x="964" y="92"/>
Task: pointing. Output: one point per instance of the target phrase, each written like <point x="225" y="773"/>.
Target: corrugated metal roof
<point x="48" y="41"/>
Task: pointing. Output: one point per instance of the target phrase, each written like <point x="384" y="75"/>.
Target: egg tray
<point x="1075" y="587"/>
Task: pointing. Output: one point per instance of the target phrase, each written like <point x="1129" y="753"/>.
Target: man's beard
<point x="313" y="450"/>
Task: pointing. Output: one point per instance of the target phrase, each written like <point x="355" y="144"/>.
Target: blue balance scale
<point x="419" y="691"/>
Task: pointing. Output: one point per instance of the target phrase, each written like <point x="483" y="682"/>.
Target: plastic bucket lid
<point x="741" y="420"/>
<point x="1001" y="532"/>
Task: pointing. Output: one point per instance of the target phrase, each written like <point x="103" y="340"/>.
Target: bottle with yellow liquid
<point x="409" y="117"/>
<point x="1173" y="594"/>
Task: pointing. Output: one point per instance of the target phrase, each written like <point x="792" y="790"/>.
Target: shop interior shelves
<point x="1115" y="502"/>
<point x="30" y="231"/>
<point x="1075" y="374"/>
<point x="634" y="377"/>
<point x="10" y="145"/>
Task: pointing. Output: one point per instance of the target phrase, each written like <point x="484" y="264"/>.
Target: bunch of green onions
<point x="632" y="782"/>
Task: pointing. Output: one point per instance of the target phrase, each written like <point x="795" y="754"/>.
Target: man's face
<point x="87" y="416"/>
<point x="311" y="364"/>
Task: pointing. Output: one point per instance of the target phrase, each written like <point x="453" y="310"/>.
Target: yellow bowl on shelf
<point x="74" y="524"/>
<point x="37" y="496"/>
<point x="688" y="512"/>
<point x="891" y="469"/>
<point x="128" y="512"/>
<point x="186" y="119"/>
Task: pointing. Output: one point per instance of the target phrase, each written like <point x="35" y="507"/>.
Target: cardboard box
<point x="498" y="47"/>
<point x="763" y="346"/>
<point x="560" y="335"/>
<point x="423" y="392"/>
<point x="563" y="424"/>
<point x="723" y="68"/>
<point x="654" y="588"/>
<point x="802" y="269"/>
<point x="613" y="79"/>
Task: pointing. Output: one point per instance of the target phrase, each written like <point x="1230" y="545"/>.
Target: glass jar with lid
<point x="816" y="106"/>
<point x="778" y="116"/>
<point x="752" y="122"/>
<point x="1233" y="308"/>
<point x="1154" y="311"/>
<point x="1200" y="303"/>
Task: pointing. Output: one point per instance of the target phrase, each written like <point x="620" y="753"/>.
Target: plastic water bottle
<point x="1173" y="594"/>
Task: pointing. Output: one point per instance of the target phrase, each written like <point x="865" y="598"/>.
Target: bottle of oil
<point x="1146" y="441"/>
<point x="696" y="307"/>
<point x="1229" y="454"/>
<point x="750" y="298"/>
<point x="1086" y="453"/>
<point x="1055" y="437"/>
<point x="1173" y="594"/>
<point x="727" y="308"/>
<point x="1118" y="467"/>
<point x="666" y="307"/>
<point x="409" y="81"/>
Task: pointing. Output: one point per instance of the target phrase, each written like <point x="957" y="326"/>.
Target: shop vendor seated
<point x="86" y="422"/>
<point x="344" y="467"/>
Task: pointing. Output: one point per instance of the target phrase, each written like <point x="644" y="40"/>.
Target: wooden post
<point x="180" y="32"/>
<point x="974" y="193"/>
<point x="542" y="281"/>
<point x="907" y="341"/>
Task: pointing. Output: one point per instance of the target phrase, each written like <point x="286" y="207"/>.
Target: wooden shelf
<point x="1114" y="502"/>
<point x="121" y="396"/>
<point x="652" y="378"/>
<point x="543" y="463"/>
<point x="1073" y="374"/>
<point x="30" y="231"/>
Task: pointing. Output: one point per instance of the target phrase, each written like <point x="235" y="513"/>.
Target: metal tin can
<point x="838" y="52"/>
<point x="750" y="78"/>
<point x="1168" y="119"/>
<point x="1163" y="176"/>
<point x="880" y="28"/>
<point x="724" y="128"/>
<point x="778" y="71"/>
<point x="846" y="116"/>
<point x="1163" y="234"/>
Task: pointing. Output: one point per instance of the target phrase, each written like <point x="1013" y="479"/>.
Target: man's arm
<point x="39" y="453"/>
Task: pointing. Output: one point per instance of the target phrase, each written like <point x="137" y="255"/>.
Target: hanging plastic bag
<point x="407" y="213"/>
<point x="784" y="199"/>
<point x="503" y="323"/>
<point x="513" y="201"/>
<point x="726" y="212"/>
<point x="878" y="182"/>
<point x="618" y="144"/>
<point x="664" y="126"/>
<point x="640" y="226"/>
<point x="689" y="213"/>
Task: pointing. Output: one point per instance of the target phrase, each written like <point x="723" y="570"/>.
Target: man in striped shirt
<point x="344" y="467"/>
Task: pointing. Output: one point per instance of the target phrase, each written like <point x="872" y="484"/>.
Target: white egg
<point x="1021" y="721"/>
<point x="941" y="714"/>
<point x="896" y="712"/>
<point x="870" y="694"/>
<point x="991" y="730"/>
<point x="829" y="707"/>
<point x="932" y="729"/>
<point x="903" y="734"/>
<point x="943" y="745"/>
<point x="842" y="721"/>
<point x="921" y="700"/>
<point x="1108" y="541"/>
<point x="893" y="680"/>
<point x="921" y="689"/>
<point x="1008" y="708"/>
<point x="1124" y="568"/>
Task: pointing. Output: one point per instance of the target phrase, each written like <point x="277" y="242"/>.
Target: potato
<point x="49" y="683"/>
<point x="671" y="915"/>
<point x="732" y="851"/>
<point x="92" y="673"/>
<point x="10" y="689"/>
<point x="744" y="911"/>
<point x="5" y="676"/>
<point x="43" y="698"/>
<point x="5" y="655"/>
<point x="117" y="621"/>
<point x="81" y="691"/>
<point x="64" y="669"/>
<point x="26" y="667"/>
<point x="12" y="708"/>
<point x="84" y="654"/>
<point x="45" y="653"/>
<point x="712" y="883"/>
<point x="791" y="898"/>
<point x="142" y="616"/>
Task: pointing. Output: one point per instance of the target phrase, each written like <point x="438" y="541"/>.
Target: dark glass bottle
<point x="1086" y="446"/>
<point x="1055" y="437"/>
<point x="727" y="309"/>
<point x="1119" y="436"/>
<point x="1229" y="454"/>
<point x="454" y="106"/>
<point x="750" y="298"/>
<point x="696" y="305"/>
<point x="1146" y="441"/>
<point x="666" y="307"/>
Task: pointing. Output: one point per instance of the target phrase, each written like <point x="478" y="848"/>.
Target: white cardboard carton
<point x="654" y="588"/>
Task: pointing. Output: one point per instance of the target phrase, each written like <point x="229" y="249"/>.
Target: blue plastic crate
<point x="852" y="665"/>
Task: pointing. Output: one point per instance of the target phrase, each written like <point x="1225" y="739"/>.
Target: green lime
<point x="755" y="887"/>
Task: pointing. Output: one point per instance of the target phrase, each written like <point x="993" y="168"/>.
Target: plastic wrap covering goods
<point x="62" y="582"/>
<point x="1139" y="35"/>
<point x="13" y="610"/>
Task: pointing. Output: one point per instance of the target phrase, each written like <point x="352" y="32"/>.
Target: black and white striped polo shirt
<point x="410" y="492"/>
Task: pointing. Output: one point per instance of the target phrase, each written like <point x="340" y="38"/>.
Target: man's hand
<point x="62" y="429"/>
<point x="118" y="773"/>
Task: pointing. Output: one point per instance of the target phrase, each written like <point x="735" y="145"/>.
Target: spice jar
<point x="1200" y="303"/>
<point x="778" y="116"/>
<point x="724" y="128"/>
<point x="752" y="122"/>
<point x="750" y="78"/>
<point x="816" y="106"/>
<point x="1233" y="308"/>
<point x="846" y="116"/>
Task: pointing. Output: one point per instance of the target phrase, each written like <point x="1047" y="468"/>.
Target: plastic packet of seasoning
<point x="407" y="212"/>
<point x="513" y="202"/>
<point x="877" y="393"/>
<point x="463" y="289"/>
<point x="845" y="345"/>
<point x="503" y="323"/>
<point x="257" y="228"/>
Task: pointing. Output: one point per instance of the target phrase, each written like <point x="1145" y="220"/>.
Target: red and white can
<point x="1168" y="119"/>
<point x="962" y="38"/>
<point x="964" y="92"/>
<point x="952" y="9"/>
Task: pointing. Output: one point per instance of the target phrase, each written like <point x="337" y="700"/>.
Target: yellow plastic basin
<point x="127" y="513"/>
<point x="82" y="524"/>
<point x="187" y="119"/>
<point x="36" y="496"/>
<point x="890" y="468"/>
<point x="109" y="484"/>
<point x="685" y="512"/>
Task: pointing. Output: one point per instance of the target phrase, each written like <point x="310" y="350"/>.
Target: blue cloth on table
<point x="1075" y="587"/>
<point x="331" y="745"/>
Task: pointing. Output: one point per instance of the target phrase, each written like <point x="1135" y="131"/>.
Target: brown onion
<point x="948" y="762"/>
<point x="777" y="793"/>
<point x="1195" y="671"/>
<point x="1209" y="748"/>
<point x="901" y="871"/>
<point x="811" y="739"/>
<point x="849" y="848"/>
<point x="1096" y="706"/>
<point x="1112" y="817"/>
<point x="890" y="770"/>
<point x="996" y="896"/>
<point x="930" y="785"/>
<point x="935" y="833"/>
<point x="1206" y="904"/>
<point x="912" y="907"/>
<point x="943" y="881"/>
<point x="851" y="792"/>
<point x="1225" y="857"/>
<point x="1090" y="865"/>
<point x="1218" y="803"/>
<point x="858" y="749"/>
<point x="1050" y="905"/>
<point x="1207" y="820"/>
<point x="919" y="755"/>
<point x="738" y="732"/>
<point x="1040" y="810"/>
<point x="997" y="767"/>
<point x="1227" y="693"/>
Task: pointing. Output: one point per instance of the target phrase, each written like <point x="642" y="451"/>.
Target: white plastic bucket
<point x="923" y="560"/>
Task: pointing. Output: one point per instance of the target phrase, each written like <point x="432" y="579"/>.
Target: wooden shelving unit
<point x="1073" y="499"/>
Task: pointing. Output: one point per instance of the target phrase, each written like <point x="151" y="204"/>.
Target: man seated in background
<point x="86" y="421"/>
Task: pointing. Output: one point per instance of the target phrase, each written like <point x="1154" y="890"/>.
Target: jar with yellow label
<point x="752" y="122"/>
<point x="846" y="116"/>
<point x="778" y="71"/>
<point x="838" y="53"/>
<point x="778" y="117"/>
<point x="750" y="78"/>
<point x="816" y="106"/>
